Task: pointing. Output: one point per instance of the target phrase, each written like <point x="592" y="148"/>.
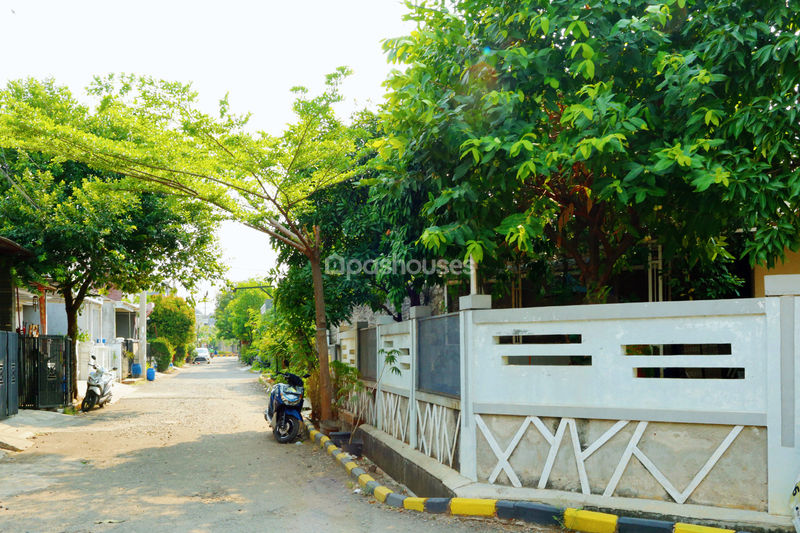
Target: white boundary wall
<point x="608" y="388"/>
<point x="764" y="342"/>
<point x="604" y="409"/>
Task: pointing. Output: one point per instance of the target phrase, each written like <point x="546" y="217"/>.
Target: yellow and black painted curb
<point x="535" y="513"/>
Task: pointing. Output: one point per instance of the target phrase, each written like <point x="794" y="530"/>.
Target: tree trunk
<point x="325" y="393"/>
<point x="72" y="332"/>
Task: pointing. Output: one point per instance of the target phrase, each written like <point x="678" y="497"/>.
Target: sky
<point x="254" y="50"/>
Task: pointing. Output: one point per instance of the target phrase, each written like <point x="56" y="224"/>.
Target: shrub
<point x="182" y="352"/>
<point x="248" y="354"/>
<point x="162" y="351"/>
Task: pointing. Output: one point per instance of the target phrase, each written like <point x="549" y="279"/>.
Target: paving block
<point x="415" y="504"/>
<point x="381" y="493"/>
<point x="395" y="500"/>
<point x="370" y="487"/>
<point x="344" y="458"/>
<point x="538" y="513"/>
<point x="473" y="507"/>
<point x="350" y="466"/>
<point x="333" y="450"/>
<point x="356" y="472"/>
<point x="643" y="525"/>
<point x="590" y="521"/>
<point x="363" y="479"/>
<point x="343" y="455"/>
<point x="437" y="505"/>
<point x="693" y="528"/>
<point x="323" y="440"/>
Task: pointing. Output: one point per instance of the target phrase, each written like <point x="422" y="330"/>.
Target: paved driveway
<point x="191" y="452"/>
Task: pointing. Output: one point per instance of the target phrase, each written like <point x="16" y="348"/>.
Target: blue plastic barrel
<point x="136" y="370"/>
<point x="151" y="374"/>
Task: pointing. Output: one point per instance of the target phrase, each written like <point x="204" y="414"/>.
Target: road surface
<point x="192" y="452"/>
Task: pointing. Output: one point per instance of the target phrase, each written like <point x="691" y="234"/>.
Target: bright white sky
<point x="255" y="50"/>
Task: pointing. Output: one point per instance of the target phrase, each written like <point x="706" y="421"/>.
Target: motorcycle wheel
<point x="287" y="431"/>
<point x="88" y="401"/>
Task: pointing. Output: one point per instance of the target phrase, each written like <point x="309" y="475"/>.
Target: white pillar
<point x="783" y="393"/>
<point x="468" y="443"/>
<point x="142" y="356"/>
<point x="414" y="314"/>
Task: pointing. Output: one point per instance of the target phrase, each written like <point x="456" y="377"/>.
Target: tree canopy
<point x="235" y="309"/>
<point x="596" y="126"/>
<point x="153" y="132"/>
<point x="173" y="319"/>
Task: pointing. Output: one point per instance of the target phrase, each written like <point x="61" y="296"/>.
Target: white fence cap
<point x="782" y="285"/>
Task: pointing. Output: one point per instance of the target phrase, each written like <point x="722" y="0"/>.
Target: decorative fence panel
<point x="438" y="427"/>
<point x="662" y="401"/>
<point x="395" y="415"/>
<point x="671" y="402"/>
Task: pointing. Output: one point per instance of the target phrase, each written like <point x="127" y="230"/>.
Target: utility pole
<point x="142" y="357"/>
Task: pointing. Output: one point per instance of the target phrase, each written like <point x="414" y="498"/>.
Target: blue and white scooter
<point x="283" y="410"/>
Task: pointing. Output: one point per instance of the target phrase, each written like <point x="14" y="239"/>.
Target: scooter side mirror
<point x="95" y="358"/>
<point x="115" y="368"/>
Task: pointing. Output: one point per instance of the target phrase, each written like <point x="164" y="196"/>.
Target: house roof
<point x="9" y="247"/>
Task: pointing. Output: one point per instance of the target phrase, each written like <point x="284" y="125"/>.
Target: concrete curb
<point x="531" y="512"/>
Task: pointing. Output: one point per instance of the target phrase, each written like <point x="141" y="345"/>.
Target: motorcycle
<point x="98" y="387"/>
<point x="283" y="409"/>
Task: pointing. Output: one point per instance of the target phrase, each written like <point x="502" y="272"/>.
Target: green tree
<point x="173" y="319"/>
<point x="595" y="127"/>
<point x="152" y="132"/>
<point x="235" y="308"/>
<point x="86" y="235"/>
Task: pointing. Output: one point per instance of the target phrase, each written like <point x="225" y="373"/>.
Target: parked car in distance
<point x="202" y="355"/>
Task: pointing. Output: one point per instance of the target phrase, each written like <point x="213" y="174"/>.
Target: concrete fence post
<point x="468" y="443"/>
<point x="414" y="314"/>
<point x="379" y="369"/>
<point x="783" y="376"/>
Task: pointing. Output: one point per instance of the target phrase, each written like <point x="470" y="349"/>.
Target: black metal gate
<point x="13" y="373"/>
<point x="44" y="372"/>
<point x="9" y="395"/>
<point x="4" y="375"/>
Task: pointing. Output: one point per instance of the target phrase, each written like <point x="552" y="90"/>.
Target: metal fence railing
<point x="439" y="355"/>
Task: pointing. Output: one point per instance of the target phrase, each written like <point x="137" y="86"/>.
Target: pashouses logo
<point x="337" y="265"/>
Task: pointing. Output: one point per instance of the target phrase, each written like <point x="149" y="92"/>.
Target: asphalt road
<point x="192" y="452"/>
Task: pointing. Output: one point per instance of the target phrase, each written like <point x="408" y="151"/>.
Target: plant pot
<point x="353" y="448"/>
<point x="339" y="437"/>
